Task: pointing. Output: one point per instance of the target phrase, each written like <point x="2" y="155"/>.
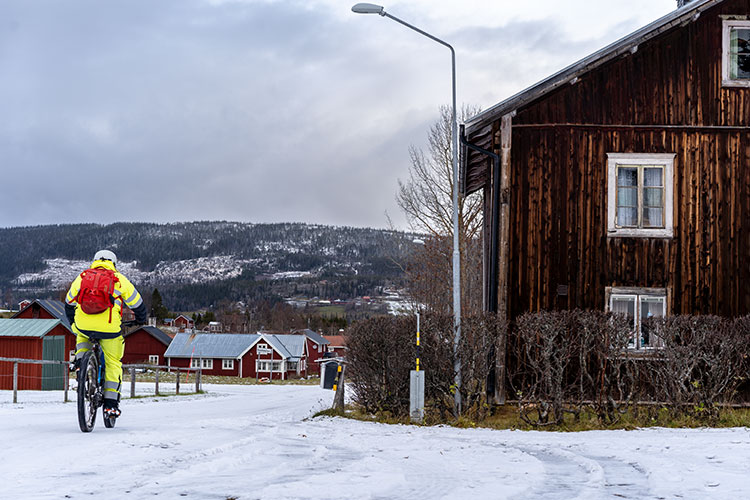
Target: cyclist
<point x="104" y="326"/>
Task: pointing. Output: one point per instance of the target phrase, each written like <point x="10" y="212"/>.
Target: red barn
<point x="146" y="344"/>
<point x="37" y="339"/>
<point x="44" y="309"/>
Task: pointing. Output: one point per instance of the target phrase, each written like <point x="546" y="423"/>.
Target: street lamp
<point x="369" y="8"/>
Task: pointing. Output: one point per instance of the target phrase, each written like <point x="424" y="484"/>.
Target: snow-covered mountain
<point x="46" y="258"/>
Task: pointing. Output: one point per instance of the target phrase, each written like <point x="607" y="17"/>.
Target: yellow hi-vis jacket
<point x="124" y="293"/>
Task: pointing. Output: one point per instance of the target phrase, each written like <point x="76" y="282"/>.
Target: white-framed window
<point x="262" y="365"/>
<point x="153" y="359"/>
<point x="227" y="364"/>
<point x="640" y="195"/>
<point x="735" y="65"/>
<point x="639" y="304"/>
<point x="262" y="349"/>
<point x="207" y="363"/>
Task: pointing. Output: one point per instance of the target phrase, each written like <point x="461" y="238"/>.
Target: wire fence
<point x="167" y="380"/>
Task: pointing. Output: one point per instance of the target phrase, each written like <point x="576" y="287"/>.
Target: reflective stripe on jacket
<point x="124" y="293"/>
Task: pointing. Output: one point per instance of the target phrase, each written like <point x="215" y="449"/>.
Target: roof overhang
<point x="623" y="47"/>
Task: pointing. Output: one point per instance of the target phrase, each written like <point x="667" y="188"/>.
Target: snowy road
<point x="253" y="442"/>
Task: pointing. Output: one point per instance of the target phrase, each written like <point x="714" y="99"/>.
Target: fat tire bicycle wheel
<point x="88" y="386"/>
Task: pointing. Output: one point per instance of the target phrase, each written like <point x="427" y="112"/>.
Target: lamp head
<point x="368" y="8"/>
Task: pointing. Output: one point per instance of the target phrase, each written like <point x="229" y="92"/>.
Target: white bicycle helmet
<point x="106" y="255"/>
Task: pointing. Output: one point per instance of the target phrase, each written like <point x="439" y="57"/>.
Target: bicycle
<point x="91" y="386"/>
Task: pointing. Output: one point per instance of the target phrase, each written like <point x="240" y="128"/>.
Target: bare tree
<point x="427" y="200"/>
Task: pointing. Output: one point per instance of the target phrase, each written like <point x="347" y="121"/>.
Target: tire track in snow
<point x="570" y="475"/>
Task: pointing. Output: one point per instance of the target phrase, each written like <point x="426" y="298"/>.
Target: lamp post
<point x="368" y="8"/>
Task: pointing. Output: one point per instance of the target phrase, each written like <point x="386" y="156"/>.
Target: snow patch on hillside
<point x="60" y="272"/>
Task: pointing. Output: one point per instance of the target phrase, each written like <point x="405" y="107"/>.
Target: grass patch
<point x="165" y="395"/>
<point x="331" y="311"/>
<point x="507" y="418"/>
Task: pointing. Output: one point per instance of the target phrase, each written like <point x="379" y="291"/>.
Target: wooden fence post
<point x="15" y="382"/>
<point x="177" y="389"/>
<point x="66" y="371"/>
<point x="198" y="381"/>
<point x="132" y="382"/>
<point x="157" y="382"/>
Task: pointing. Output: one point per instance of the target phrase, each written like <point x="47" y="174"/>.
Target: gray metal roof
<point x="21" y="327"/>
<point x="314" y="336"/>
<point x="55" y="307"/>
<point x="154" y="332"/>
<point x="628" y="44"/>
<point x="210" y="345"/>
<point x="290" y="346"/>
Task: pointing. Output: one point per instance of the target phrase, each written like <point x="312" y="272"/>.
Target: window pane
<point x="627" y="217"/>
<point x="624" y="305"/>
<point x="650" y="307"/>
<point x="652" y="176"/>
<point x="652" y="217"/>
<point x="627" y="176"/>
<point x="652" y="197"/>
<point x="627" y="197"/>
<point x="739" y="53"/>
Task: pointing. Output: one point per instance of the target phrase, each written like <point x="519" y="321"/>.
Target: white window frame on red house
<point x="640" y="298"/>
<point x="729" y="26"/>
<point x="208" y="363"/>
<point x="263" y="349"/>
<point x="269" y="366"/>
<point x="227" y="364"/>
<point x="153" y="359"/>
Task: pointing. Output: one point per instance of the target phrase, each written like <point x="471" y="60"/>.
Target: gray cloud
<point x="254" y="111"/>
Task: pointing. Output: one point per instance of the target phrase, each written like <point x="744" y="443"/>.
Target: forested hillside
<point x="200" y="263"/>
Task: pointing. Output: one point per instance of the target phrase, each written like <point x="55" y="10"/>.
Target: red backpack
<point x="95" y="295"/>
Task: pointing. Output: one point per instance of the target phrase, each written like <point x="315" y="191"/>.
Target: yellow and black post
<point x="416" y="385"/>
<point x="338" y="388"/>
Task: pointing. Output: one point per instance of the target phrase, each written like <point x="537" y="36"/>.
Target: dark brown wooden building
<point x="623" y="181"/>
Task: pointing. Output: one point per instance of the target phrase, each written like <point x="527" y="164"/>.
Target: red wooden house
<point x="265" y="355"/>
<point x="146" y="344"/>
<point x="183" y="323"/>
<point x="281" y="356"/>
<point x="216" y="353"/>
<point x="38" y="339"/>
<point x="337" y="344"/>
<point x="316" y="346"/>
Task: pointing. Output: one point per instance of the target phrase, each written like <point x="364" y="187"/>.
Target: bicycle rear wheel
<point x="108" y="422"/>
<point x="88" y="385"/>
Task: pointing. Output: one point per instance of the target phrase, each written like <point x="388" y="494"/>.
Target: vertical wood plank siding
<point x="665" y="98"/>
<point x="558" y="221"/>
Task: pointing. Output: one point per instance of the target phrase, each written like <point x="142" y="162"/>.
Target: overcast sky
<point x="256" y="110"/>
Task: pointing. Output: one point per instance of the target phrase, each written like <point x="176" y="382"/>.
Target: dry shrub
<point x="563" y="361"/>
<point x="382" y="352"/>
<point x="702" y="363"/>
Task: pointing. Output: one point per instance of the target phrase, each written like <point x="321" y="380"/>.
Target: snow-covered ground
<point x="258" y="442"/>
